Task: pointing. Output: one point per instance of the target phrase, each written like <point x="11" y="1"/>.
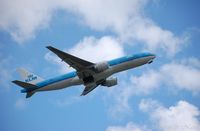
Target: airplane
<point x="87" y="73"/>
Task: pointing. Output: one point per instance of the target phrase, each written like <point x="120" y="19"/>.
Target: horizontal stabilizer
<point x="24" y="84"/>
<point x="29" y="88"/>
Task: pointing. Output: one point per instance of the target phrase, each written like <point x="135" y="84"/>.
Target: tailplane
<point x="28" y="88"/>
<point x="25" y="85"/>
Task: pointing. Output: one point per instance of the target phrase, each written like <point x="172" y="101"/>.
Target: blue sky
<point x="161" y="96"/>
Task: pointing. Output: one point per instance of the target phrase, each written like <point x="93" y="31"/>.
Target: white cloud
<point x="181" y="117"/>
<point x="96" y="50"/>
<point x="66" y="102"/>
<point x="22" y="18"/>
<point x="145" y="83"/>
<point x="120" y="103"/>
<point x="5" y="72"/>
<point x="20" y="103"/>
<point x="126" y="18"/>
<point x="147" y="105"/>
<point x="92" y="49"/>
<point x="194" y="62"/>
<point x="104" y="14"/>
<point x="182" y="75"/>
<point x="175" y="76"/>
<point x="154" y="37"/>
<point x="129" y="127"/>
<point x="136" y="85"/>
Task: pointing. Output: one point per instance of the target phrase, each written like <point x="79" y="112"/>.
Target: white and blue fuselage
<point x="71" y="79"/>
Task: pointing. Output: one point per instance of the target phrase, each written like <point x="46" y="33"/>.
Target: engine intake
<point x="102" y="66"/>
<point x="110" y="82"/>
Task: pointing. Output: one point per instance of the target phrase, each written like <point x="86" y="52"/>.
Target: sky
<point x="162" y="96"/>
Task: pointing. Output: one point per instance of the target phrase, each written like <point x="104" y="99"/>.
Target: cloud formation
<point x="69" y="100"/>
<point x="182" y="75"/>
<point x="175" y="76"/>
<point x="95" y="50"/>
<point x="20" y="103"/>
<point x="183" y="116"/>
<point x="153" y="37"/>
<point x="129" y="127"/>
<point x="5" y="72"/>
<point x="125" y="18"/>
<point x="23" y="18"/>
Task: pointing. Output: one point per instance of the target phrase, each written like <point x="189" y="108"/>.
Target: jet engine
<point x="110" y="82"/>
<point x="102" y="66"/>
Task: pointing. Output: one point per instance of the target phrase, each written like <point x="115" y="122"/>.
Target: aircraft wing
<point x="82" y="67"/>
<point x="88" y="89"/>
<point x="75" y="62"/>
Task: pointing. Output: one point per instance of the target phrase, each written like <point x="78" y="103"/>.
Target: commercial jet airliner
<point x="87" y="73"/>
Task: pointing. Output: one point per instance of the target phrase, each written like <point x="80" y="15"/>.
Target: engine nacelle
<point x="110" y="82"/>
<point x="102" y="66"/>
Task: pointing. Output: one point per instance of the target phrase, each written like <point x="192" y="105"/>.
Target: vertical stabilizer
<point x="29" y="77"/>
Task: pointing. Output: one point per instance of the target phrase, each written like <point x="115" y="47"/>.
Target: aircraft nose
<point x="153" y="56"/>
